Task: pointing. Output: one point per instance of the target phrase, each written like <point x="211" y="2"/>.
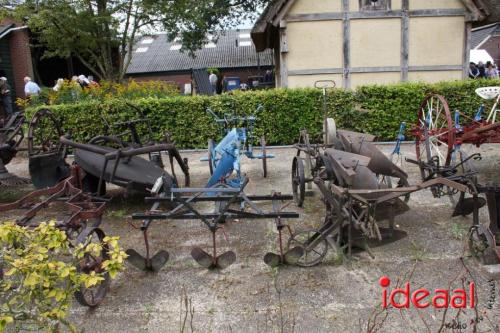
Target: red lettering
<point x="416" y="298"/>
<point x="405" y="292"/>
<point x="441" y="294"/>
<point x="459" y="294"/>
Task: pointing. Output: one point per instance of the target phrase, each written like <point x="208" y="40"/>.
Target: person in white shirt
<point x="213" y="82"/>
<point x="30" y="87"/>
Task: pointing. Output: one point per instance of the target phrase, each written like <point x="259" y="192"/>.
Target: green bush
<point x="374" y="109"/>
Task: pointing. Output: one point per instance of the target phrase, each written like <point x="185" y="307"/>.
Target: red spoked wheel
<point x="435" y="133"/>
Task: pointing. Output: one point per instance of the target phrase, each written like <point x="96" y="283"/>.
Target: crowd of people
<point x="483" y="71"/>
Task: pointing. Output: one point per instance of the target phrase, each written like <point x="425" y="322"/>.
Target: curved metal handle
<point x="325" y="84"/>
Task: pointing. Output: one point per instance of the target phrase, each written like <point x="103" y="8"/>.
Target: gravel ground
<point x="251" y="297"/>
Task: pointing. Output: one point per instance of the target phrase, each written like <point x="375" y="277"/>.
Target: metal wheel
<point x="298" y="181"/>
<point x="264" y="156"/>
<point x="44" y="133"/>
<point x="211" y="156"/>
<point x="93" y="296"/>
<point x="329" y="131"/>
<point x="315" y="248"/>
<point x="435" y="133"/>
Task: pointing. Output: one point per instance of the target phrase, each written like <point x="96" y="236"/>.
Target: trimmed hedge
<point x="373" y="109"/>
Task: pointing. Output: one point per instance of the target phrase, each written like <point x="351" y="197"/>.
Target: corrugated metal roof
<point x="163" y="56"/>
<point x="480" y="34"/>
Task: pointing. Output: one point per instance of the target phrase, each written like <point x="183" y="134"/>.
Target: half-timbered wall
<point x="354" y="44"/>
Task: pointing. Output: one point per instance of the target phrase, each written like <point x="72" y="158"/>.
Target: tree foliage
<point x="102" y="33"/>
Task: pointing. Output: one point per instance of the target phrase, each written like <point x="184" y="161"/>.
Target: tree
<point x="102" y="33"/>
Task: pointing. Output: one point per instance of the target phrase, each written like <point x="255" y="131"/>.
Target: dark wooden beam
<point x="467" y="48"/>
<point x="346" y="45"/>
<point x="405" y="39"/>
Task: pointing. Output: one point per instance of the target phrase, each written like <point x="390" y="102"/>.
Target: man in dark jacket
<point x="6" y="97"/>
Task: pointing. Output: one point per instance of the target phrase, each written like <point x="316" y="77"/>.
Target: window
<point x="374" y="4"/>
<point x="244" y="36"/>
<point x="210" y="45"/>
<point x="147" y="41"/>
<point x="246" y="43"/>
<point x="175" y="47"/>
<point x="142" y="49"/>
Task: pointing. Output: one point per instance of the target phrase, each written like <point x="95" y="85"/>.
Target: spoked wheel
<point x="315" y="247"/>
<point x="298" y="181"/>
<point x="44" y="133"/>
<point x="211" y="156"/>
<point x="90" y="263"/>
<point x="264" y="156"/>
<point x="435" y="134"/>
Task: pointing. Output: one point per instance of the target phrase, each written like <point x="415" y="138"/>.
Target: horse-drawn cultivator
<point x="360" y="186"/>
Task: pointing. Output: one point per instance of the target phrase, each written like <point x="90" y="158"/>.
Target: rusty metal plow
<point x="184" y="201"/>
<point x="81" y="226"/>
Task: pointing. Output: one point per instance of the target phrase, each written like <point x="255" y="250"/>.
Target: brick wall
<point x="185" y="77"/>
<point x="20" y="57"/>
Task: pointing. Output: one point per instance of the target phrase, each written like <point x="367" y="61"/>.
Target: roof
<point x="233" y="49"/>
<point x="482" y="34"/>
<point x="269" y="20"/>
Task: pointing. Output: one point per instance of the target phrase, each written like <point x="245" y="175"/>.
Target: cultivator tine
<point x="203" y="258"/>
<point x="136" y="260"/>
<point x="159" y="260"/>
<point x="225" y="260"/>
<point x="293" y="255"/>
<point x="272" y="259"/>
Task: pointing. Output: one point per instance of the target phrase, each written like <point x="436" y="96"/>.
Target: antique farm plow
<point x="79" y="215"/>
<point x="184" y="207"/>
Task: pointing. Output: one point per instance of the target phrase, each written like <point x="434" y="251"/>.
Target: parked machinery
<point x="224" y="158"/>
<point x="79" y="215"/>
<point x="309" y="162"/>
<point x="11" y="137"/>
<point x="358" y="195"/>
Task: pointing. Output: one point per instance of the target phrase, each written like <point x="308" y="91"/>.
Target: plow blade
<point x="379" y="163"/>
<point x="465" y="206"/>
<point x="291" y="257"/>
<point x="47" y="170"/>
<point x="208" y="261"/>
<point x="155" y="264"/>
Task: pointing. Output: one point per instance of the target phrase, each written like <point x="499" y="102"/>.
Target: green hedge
<point x="373" y="109"/>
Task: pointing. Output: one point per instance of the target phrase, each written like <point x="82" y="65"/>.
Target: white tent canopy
<point x="480" y="55"/>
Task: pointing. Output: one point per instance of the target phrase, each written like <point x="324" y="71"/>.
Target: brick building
<point x="15" y="56"/>
<point x="233" y="54"/>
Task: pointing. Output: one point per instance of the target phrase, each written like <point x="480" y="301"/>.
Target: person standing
<point x="491" y="71"/>
<point x="473" y="71"/>
<point x="6" y="97"/>
<point x="482" y="70"/>
<point x="31" y="88"/>
<point x="213" y="82"/>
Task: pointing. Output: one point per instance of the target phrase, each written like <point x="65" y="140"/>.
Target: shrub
<point x="375" y="109"/>
<point x="71" y="92"/>
<point x="38" y="276"/>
